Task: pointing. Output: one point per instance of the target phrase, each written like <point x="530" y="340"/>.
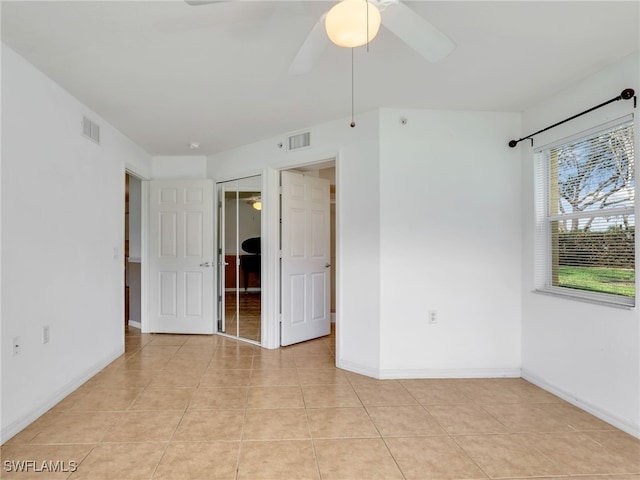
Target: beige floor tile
<point x="574" y="417"/>
<point x="159" y="351"/>
<point x="577" y="454"/>
<point x="488" y="392"/>
<point x="322" y="376"/>
<point x="432" y="458"/>
<point x="199" y="461"/>
<point x="226" y="378"/>
<point x="357" y="379"/>
<point x="144" y="426"/>
<point x="276" y="424"/>
<point x="319" y="396"/>
<point x="182" y="365"/>
<point x="263" y="362"/>
<point x="276" y="376"/>
<point x="171" y="378"/>
<point x="435" y="392"/>
<point x="265" y="410"/>
<point x="167" y="339"/>
<point x="239" y="349"/>
<point x="465" y="419"/>
<point x="281" y="460"/>
<point x="404" y="421"/>
<point x="201" y="341"/>
<point x="622" y="444"/>
<point x="507" y="456"/>
<point x="341" y="422"/>
<point x="527" y="392"/>
<point x="163" y="398"/>
<point x="358" y="458"/>
<point x="122" y="378"/>
<point x="77" y="427"/>
<point x="26" y="435"/>
<point x="40" y="462"/>
<point x="207" y="425"/>
<point x="275" y="397"/>
<point x="235" y="363"/>
<point x="311" y="348"/>
<point x="113" y="399"/>
<point x="206" y="398"/>
<point x="521" y="417"/>
<point x="70" y="400"/>
<point x="315" y="361"/>
<point x="384" y="394"/>
<point x="199" y="352"/>
<point x="138" y="362"/>
<point x="122" y="461"/>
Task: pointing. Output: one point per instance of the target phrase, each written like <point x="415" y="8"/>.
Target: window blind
<point x="585" y="213"/>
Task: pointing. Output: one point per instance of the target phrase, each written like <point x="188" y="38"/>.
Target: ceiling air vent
<point x="300" y="140"/>
<point x="91" y="130"/>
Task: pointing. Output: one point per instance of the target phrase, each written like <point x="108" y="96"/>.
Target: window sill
<point x="593" y="298"/>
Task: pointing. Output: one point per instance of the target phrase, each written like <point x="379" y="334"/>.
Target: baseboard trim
<point x="17" y="426"/>
<point x="450" y="373"/>
<point x="357" y="368"/>
<point x="391" y="374"/>
<point x="612" y="419"/>
<point x="137" y="325"/>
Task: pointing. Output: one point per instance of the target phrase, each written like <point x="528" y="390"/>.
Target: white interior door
<point x="305" y="268"/>
<point x="181" y="259"/>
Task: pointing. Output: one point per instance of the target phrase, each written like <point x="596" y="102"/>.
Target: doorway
<point x="133" y="251"/>
<point x="307" y="252"/>
<point x="239" y="262"/>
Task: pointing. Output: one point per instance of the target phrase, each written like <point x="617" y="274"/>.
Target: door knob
<point x="327" y="265"/>
<point x="206" y="264"/>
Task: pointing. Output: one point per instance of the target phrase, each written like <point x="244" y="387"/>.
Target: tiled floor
<point x="197" y="407"/>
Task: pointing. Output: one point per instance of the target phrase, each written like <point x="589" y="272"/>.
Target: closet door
<point x="239" y="258"/>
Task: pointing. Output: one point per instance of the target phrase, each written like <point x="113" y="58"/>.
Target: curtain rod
<point x="626" y="94"/>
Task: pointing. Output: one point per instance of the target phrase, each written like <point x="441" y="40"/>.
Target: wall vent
<point x="299" y="140"/>
<point x="91" y="130"/>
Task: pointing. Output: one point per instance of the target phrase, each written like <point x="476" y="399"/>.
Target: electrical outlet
<point x="433" y="317"/>
<point x="16" y="346"/>
<point x="45" y="334"/>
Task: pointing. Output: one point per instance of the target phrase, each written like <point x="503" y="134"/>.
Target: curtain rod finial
<point x="627" y="93"/>
<point x="513" y="143"/>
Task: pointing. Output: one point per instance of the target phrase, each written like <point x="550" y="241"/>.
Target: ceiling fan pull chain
<point x="367" y="5"/>
<point x="353" y="123"/>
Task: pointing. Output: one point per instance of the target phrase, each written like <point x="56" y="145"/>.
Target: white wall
<point x="356" y="149"/>
<point x="179" y="167"/>
<point x="589" y="354"/>
<point x="451" y="242"/>
<point x="62" y="218"/>
<point x="428" y="218"/>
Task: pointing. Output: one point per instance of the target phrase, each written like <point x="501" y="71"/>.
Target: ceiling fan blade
<point x="311" y="49"/>
<point x="197" y="3"/>
<point x="416" y="32"/>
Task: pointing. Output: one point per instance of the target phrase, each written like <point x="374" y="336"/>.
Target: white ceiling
<point x="167" y="74"/>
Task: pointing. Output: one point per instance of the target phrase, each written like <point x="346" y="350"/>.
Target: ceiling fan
<point x="406" y="24"/>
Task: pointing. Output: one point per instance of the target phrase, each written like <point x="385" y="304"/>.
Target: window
<point x="585" y="189"/>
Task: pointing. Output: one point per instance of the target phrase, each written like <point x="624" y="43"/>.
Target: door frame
<point x="271" y="223"/>
<point x="144" y="244"/>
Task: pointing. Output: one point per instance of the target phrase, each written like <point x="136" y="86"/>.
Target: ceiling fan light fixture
<point x="346" y="23"/>
<point x="257" y="205"/>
